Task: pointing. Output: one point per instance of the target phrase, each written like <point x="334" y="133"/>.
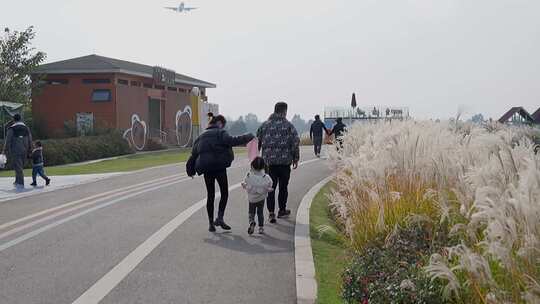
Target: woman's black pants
<point x="210" y="181"/>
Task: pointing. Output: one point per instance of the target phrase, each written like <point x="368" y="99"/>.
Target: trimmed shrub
<point x="79" y="149"/>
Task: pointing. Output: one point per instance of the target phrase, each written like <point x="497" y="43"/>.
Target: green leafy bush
<point x="390" y="270"/>
<point x="79" y="149"/>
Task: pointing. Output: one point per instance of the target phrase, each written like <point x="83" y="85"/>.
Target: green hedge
<point x="80" y="149"/>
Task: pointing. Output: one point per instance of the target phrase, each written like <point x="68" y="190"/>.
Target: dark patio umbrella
<point x="353" y="101"/>
<point x="8" y="109"/>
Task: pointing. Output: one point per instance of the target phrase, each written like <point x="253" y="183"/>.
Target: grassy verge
<point x="329" y="251"/>
<point x="122" y="164"/>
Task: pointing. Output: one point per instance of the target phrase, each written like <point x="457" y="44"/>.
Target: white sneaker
<point x="261" y="230"/>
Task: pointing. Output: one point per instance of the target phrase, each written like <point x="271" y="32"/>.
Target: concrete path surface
<point x="9" y="192"/>
<point x="143" y="238"/>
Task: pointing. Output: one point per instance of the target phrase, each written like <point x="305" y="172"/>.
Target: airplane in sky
<point x="181" y="8"/>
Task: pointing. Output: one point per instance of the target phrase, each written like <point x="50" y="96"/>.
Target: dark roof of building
<point x="100" y="64"/>
<point x="520" y="110"/>
<point x="536" y="116"/>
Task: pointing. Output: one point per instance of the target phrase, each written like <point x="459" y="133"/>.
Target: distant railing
<point x="156" y="133"/>
<point x="373" y="112"/>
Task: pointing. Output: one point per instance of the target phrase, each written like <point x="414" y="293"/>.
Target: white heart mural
<point x="184" y="126"/>
<point x="137" y="134"/>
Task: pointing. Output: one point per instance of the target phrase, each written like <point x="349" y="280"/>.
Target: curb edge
<point x="306" y="283"/>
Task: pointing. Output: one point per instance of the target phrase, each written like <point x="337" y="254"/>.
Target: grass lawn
<point x="122" y="164"/>
<point x="329" y="251"/>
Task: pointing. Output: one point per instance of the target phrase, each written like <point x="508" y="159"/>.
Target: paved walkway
<point x="143" y="238"/>
<point x="9" y="192"/>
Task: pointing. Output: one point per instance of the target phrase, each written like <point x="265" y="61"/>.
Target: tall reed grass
<point x="482" y="181"/>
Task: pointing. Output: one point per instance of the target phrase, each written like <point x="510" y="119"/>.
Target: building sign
<point x="164" y="76"/>
<point x="85" y="123"/>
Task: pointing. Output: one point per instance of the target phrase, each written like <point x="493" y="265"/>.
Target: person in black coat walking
<point x="316" y="134"/>
<point x="339" y="129"/>
<point x="211" y="155"/>
<point x="18" y="146"/>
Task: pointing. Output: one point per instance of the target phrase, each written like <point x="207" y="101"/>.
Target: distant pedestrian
<point x="279" y="142"/>
<point x="257" y="184"/>
<point x="38" y="165"/>
<point x="316" y="134"/>
<point x="18" y="146"/>
<point x="212" y="154"/>
<point x="339" y="130"/>
<point x="210" y="115"/>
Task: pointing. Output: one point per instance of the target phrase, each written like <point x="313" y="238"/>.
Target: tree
<point x="478" y="118"/>
<point x="299" y="124"/>
<point x="238" y="127"/>
<point x="18" y="59"/>
<point x="252" y="123"/>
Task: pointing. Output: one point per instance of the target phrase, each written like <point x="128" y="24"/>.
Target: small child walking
<point x="257" y="184"/>
<point x="38" y="165"/>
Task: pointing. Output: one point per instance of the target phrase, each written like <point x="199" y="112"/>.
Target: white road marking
<point x="68" y="210"/>
<point x="111" y="192"/>
<point x="46" y="211"/>
<point x="109" y="281"/>
<point x="101" y="288"/>
<point x="36" y="232"/>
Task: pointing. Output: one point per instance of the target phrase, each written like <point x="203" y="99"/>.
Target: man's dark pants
<point x="280" y="175"/>
<point x="317" y="144"/>
<point x="18" y="166"/>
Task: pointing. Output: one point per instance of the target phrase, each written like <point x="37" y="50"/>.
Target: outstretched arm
<point x="234" y="141"/>
<point x="332" y="131"/>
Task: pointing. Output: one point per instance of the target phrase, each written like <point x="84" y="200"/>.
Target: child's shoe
<point x="261" y="230"/>
<point x="48" y="182"/>
<point x="272" y="218"/>
<point x="251" y="228"/>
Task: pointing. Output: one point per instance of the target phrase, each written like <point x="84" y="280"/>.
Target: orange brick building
<point x="142" y="101"/>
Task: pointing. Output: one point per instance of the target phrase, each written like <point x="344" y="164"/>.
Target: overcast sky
<point x="430" y="55"/>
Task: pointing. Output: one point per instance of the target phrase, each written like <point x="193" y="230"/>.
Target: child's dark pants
<point x="259" y="209"/>
<point x="38" y="170"/>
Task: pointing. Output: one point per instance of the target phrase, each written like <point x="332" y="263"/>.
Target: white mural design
<point x="137" y="134"/>
<point x="184" y="126"/>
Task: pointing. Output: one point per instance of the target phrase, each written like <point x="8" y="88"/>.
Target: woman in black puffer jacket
<point x="212" y="154"/>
